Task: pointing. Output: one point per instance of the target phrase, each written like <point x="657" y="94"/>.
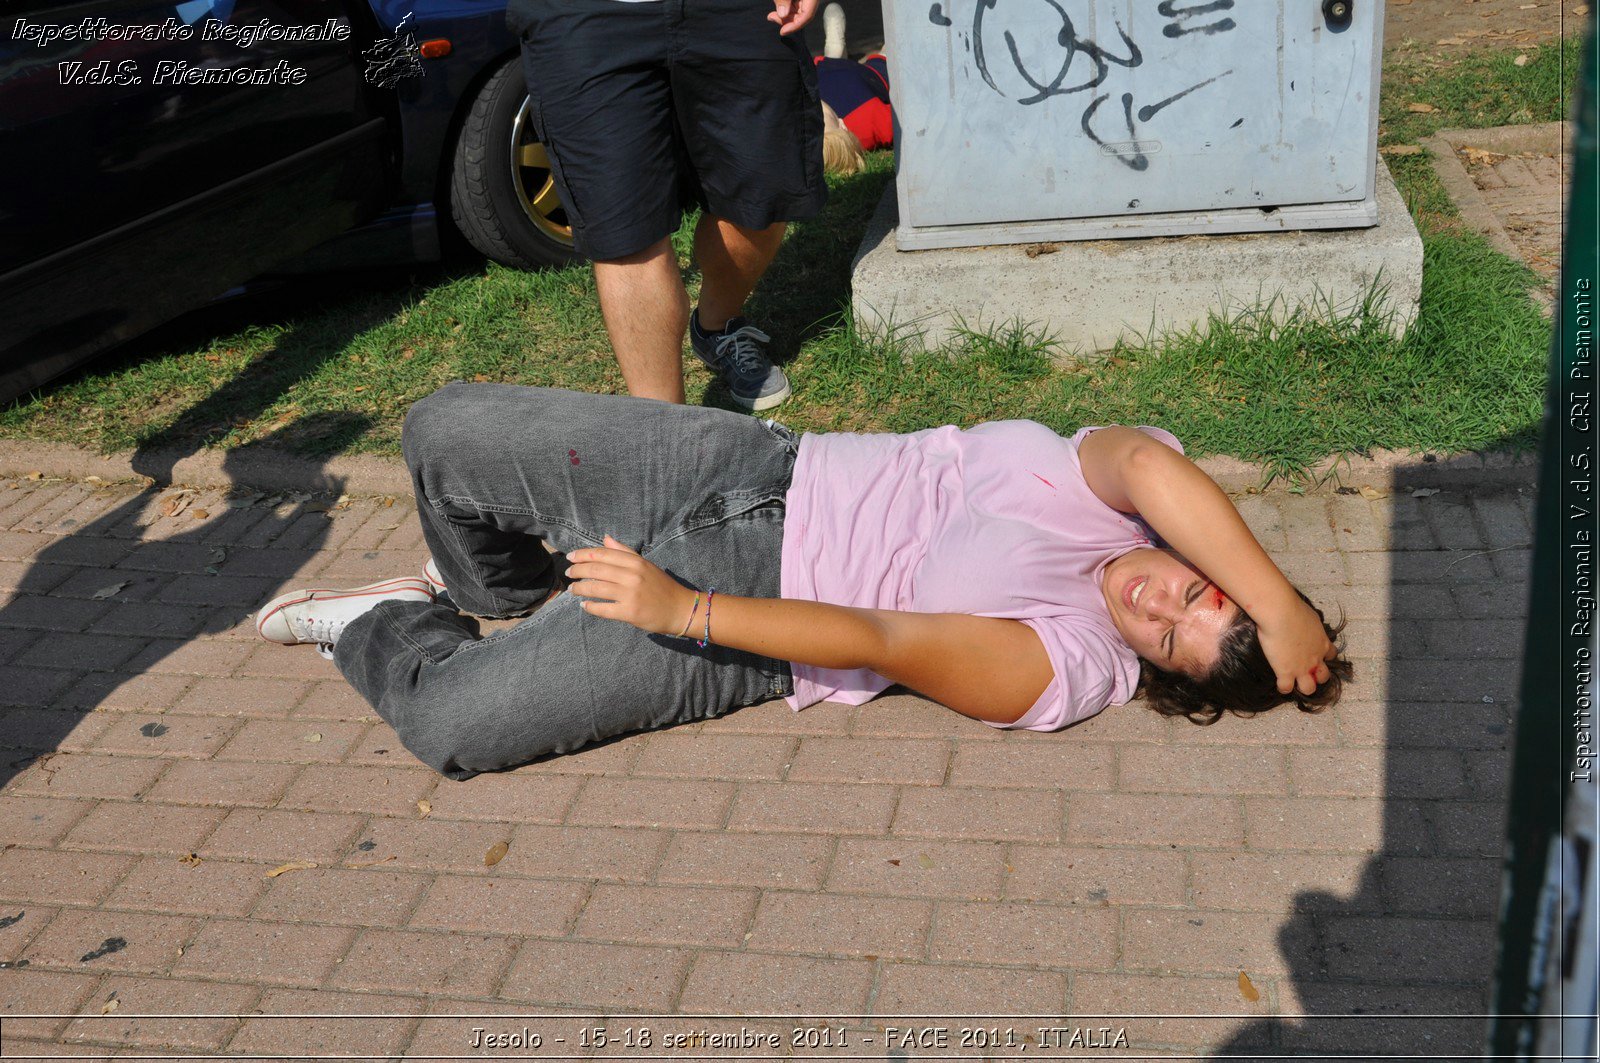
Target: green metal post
<point x="1555" y="725"/>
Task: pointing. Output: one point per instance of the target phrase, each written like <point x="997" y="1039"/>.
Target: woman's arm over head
<point x="1131" y="472"/>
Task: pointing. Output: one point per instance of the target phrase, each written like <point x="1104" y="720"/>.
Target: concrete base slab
<point x="1089" y="295"/>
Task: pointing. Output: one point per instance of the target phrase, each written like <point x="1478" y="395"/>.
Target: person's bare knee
<point x="732" y="260"/>
<point x="661" y="248"/>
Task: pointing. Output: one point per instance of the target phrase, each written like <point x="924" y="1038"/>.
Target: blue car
<point x="157" y="155"/>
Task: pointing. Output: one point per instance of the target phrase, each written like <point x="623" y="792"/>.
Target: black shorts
<point x="648" y="108"/>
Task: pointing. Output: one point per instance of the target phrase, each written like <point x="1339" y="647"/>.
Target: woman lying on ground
<point x="1004" y="571"/>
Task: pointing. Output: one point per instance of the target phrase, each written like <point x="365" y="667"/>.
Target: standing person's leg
<point x="747" y="103"/>
<point x="732" y="260"/>
<point x="597" y="75"/>
<point x="646" y="310"/>
<point x="499" y="468"/>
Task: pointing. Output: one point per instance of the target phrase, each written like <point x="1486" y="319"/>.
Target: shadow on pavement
<point x="1393" y="954"/>
<point x="109" y="598"/>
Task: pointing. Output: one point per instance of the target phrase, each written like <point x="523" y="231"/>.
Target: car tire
<point x="502" y="196"/>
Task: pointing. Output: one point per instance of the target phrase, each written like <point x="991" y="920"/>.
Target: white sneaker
<point x="430" y="572"/>
<point x="319" y="615"/>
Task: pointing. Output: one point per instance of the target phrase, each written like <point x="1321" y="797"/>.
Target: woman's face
<point x="1167" y="610"/>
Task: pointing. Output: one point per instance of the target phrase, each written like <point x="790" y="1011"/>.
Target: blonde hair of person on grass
<point x="841" y="151"/>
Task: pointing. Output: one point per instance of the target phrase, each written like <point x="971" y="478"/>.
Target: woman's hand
<point x="1297" y="647"/>
<point x="618" y="584"/>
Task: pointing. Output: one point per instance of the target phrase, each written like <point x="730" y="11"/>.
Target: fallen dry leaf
<point x="106" y="592"/>
<point x="1479" y="155"/>
<point x="1422" y="108"/>
<point x="1424" y="492"/>
<point x="1247" y="988"/>
<point x="293" y="865"/>
<point x="425" y="807"/>
<point x="924" y="861"/>
<point x="497" y="852"/>
<point x="1372" y="494"/>
<point x="110" y="1005"/>
<point x="1521" y="60"/>
<point x="1401" y="149"/>
<point x="35" y="476"/>
<point x="191" y="860"/>
<point x="314" y="736"/>
<point x="200" y="514"/>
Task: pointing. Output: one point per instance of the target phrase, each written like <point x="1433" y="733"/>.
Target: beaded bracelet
<point x="706" y="637"/>
<point x="693" y="609"/>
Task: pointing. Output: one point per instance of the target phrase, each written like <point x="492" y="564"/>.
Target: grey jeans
<point x="498" y="471"/>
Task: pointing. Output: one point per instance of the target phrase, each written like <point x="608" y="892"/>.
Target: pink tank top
<point x="994" y="520"/>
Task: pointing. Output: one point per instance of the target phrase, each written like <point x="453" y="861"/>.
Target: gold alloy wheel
<point x="531" y="177"/>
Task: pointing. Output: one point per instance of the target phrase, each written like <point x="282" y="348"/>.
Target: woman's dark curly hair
<point x="1241" y="682"/>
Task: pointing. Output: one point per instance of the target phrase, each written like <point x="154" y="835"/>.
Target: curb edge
<point x="374" y="475"/>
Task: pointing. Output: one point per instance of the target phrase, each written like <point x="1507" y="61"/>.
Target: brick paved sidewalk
<point x="885" y="860"/>
<point x="1511" y="184"/>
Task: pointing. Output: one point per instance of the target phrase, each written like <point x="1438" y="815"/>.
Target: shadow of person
<point x="128" y="575"/>
<point x="118" y="586"/>
<point x="1400" y="961"/>
<point x="108" y="599"/>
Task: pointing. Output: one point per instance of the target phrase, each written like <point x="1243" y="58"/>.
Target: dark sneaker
<point x="738" y="355"/>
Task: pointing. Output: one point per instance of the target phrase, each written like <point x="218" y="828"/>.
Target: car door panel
<point x="130" y="194"/>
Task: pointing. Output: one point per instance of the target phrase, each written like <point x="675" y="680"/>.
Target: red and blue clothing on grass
<point x="859" y="95"/>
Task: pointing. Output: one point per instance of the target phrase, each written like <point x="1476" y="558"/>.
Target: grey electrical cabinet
<point x="1029" y="120"/>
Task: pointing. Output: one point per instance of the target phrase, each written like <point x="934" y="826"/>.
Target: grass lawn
<point x="331" y="364"/>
